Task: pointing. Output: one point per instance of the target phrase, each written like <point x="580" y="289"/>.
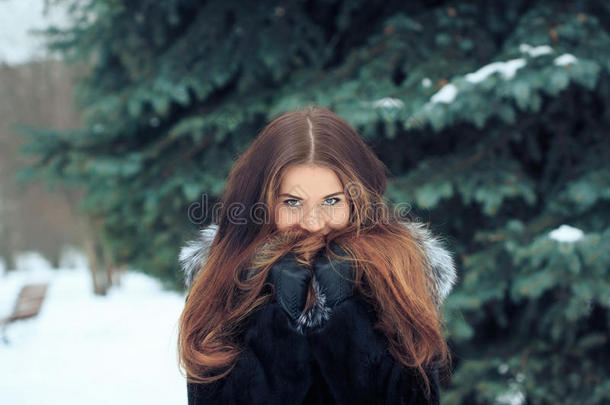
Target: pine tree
<point x="492" y="116"/>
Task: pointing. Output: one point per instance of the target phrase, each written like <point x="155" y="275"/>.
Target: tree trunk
<point x="92" y="249"/>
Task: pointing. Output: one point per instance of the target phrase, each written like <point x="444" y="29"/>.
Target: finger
<point x="291" y="280"/>
<point x="328" y="267"/>
<point x="335" y="276"/>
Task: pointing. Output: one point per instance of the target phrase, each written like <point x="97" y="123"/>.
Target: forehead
<point x="309" y="181"/>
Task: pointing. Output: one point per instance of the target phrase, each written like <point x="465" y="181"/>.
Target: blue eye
<point x="286" y="202"/>
<point x="333" y="198"/>
<point x="297" y="202"/>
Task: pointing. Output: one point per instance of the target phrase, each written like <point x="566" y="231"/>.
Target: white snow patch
<point x="83" y="348"/>
<point x="31" y="261"/>
<point x="506" y="69"/>
<point x="511" y="397"/>
<point x="72" y="257"/>
<point x="566" y="233"/>
<point x="565" y="59"/>
<point x="18" y="44"/>
<point x="426" y="82"/>
<point x="445" y="95"/>
<point x="388" y="102"/>
<point x="535" y="51"/>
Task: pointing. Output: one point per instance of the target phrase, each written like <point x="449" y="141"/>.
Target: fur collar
<point x="441" y="271"/>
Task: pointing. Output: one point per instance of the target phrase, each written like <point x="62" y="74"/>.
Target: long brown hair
<point x="390" y="265"/>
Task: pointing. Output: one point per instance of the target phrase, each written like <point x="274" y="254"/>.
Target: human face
<point x="311" y="197"/>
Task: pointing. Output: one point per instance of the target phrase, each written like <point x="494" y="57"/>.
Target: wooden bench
<point x="27" y="305"/>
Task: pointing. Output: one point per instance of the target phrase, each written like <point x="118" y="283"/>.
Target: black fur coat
<point x="327" y="357"/>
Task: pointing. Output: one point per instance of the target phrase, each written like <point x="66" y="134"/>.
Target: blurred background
<point x="117" y="118"/>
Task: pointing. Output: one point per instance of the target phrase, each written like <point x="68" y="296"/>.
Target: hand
<point x="291" y="282"/>
<point x="335" y="276"/>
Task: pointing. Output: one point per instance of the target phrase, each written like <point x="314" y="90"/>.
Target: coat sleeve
<point x="354" y="359"/>
<point x="273" y="368"/>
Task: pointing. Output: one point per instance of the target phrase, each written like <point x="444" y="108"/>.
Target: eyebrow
<point x="299" y="198"/>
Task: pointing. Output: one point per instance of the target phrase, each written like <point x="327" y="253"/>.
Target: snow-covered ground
<point x="86" y="349"/>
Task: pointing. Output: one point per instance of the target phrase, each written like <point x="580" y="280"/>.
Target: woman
<point x="310" y="288"/>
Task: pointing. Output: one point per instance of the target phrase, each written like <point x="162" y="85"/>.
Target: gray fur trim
<point x="441" y="271"/>
<point x="442" y="267"/>
<point x="194" y="254"/>
<point x="318" y="313"/>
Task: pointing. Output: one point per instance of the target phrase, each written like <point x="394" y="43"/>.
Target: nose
<point x="312" y="222"/>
